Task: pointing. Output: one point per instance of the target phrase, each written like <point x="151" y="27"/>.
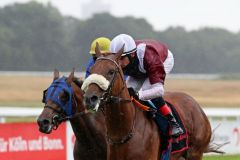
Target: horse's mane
<point x="78" y="81"/>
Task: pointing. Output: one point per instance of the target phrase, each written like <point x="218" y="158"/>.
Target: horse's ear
<point x="119" y="53"/>
<point x="97" y="50"/>
<point x="70" y="77"/>
<point x="55" y="74"/>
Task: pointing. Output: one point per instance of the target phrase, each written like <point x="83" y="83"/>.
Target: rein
<point x="126" y="138"/>
<point x="107" y="98"/>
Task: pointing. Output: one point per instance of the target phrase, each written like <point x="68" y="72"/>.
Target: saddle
<point x="169" y="144"/>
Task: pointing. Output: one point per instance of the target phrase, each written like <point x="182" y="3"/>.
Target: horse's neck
<point x="120" y="118"/>
<point x="88" y="128"/>
<point x="90" y="136"/>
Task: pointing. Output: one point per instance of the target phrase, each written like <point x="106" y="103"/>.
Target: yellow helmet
<point x="104" y="44"/>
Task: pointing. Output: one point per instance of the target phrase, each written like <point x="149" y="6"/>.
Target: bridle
<point x="61" y="115"/>
<point x="107" y="94"/>
<point x="107" y="98"/>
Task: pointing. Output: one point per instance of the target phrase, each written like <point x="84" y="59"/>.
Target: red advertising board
<point x="23" y="141"/>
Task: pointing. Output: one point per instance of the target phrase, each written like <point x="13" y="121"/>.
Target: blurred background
<point x="41" y="35"/>
<point x="204" y="36"/>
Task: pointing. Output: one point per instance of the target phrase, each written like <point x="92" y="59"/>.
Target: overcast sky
<point x="191" y="14"/>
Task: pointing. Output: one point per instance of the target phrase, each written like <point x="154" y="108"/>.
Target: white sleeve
<point x="131" y="82"/>
<point x="134" y="83"/>
<point x="154" y="91"/>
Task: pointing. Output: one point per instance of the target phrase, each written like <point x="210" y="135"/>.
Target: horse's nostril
<point x="94" y="99"/>
<point x="45" y="122"/>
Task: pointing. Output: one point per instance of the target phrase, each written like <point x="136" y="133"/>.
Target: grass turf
<point x="222" y="157"/>
<point x="27" y="91"/>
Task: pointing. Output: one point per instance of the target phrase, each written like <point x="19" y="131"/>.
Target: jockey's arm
<point x="89" y="66"/>
<point x="154" y="91"/>
<point x="133" y="83"/>
<point x="153" y="85"/>
<point x="147" y="91"/>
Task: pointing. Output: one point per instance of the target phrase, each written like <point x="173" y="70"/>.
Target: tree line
<point x="37" y="37"/>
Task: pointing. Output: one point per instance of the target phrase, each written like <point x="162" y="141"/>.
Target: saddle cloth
<point x="169" y="144"/>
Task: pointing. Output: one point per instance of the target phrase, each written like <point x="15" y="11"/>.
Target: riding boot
<point x="176" y="128"/>
<point x="166" y="111"/>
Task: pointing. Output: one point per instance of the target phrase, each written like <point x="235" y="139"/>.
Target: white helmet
<point x="120" y="40"/>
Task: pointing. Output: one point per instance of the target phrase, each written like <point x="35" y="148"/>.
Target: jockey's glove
<point x="133" y="93"/>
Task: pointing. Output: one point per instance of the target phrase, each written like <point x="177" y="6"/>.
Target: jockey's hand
<point x="133" y="93"/>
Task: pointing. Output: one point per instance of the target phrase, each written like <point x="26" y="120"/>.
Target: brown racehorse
<point x="131" y="134"/>
<point x="88" y="128"/>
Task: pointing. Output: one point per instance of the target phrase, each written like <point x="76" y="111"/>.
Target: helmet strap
<point x="130" y="57"/>
<point x="133" y="62"/>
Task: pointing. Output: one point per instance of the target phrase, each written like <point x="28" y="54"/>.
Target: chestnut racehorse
<point x="131" y="135"/>
<point x="88" y="128"/>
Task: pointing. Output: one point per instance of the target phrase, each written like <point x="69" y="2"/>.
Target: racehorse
<point x="64" y="95"/>
<point x="131" y="134"/>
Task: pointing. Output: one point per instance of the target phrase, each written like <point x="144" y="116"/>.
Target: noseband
<point x="62" y="115"/>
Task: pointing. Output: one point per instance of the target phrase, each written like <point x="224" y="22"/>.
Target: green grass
<point x="22" y="104"/>
<point x="222" y="157"/>
<point x="22" y="119"/>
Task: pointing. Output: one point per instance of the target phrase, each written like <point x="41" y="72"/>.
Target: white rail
<point x="222" y="112"/>
<point x="33" y="112"/>
<point x="19" y="111"/>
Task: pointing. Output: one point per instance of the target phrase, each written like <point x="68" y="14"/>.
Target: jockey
<point x="146" y="62"/>
<point x="104" y="44"/>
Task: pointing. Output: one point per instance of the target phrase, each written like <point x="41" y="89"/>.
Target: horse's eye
<point x="64" y="97"/>
<point x="111" y="72"/>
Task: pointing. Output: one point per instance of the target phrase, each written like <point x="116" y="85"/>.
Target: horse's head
<point x="60" y="102"/>
<point x="106" y="82"/>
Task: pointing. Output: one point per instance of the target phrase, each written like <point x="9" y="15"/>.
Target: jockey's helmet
<point x="104" y="44"/>
<point x="120" y="40"/>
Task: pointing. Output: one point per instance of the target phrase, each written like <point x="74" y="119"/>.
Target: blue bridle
<point x="58" y="86"/>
